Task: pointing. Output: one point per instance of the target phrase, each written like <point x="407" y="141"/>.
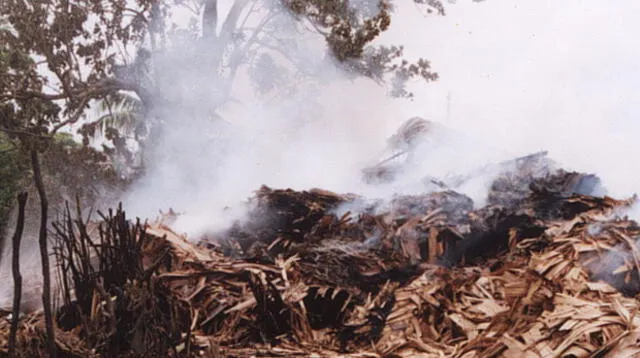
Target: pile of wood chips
<point x="553" y="274"/>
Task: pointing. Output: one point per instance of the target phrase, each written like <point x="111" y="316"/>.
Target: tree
<point x="11" y="175"/>
<point x="250" y="37"/>
<point x="57" y="56"/>
<point x="49" y="45"/>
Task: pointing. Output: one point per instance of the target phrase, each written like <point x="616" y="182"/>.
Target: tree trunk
<point x="210" y="19"/>
<point x="15" y="268"/>
<point x="44" y="253"/>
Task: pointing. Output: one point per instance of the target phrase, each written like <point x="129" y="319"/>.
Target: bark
<point x="225" y="37"/>
<point x="15" y="268"/>
<point x="210" y="19"/>
<point x="231" y="22"/>
<point x="44" y="253"/>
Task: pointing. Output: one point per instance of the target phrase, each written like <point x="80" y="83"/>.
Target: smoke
<point x="528" y="76"/>
<point x="516" y="77"/>
<point x="30" y="260"/>
<point x="311" y="125"/>
<point x="31" y="271"/>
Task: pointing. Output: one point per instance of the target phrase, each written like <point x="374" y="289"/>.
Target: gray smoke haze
<point x="516" y="77"/>
<point x="556" y="75"/>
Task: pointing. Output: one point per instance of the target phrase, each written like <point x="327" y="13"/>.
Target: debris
<point x="545" y="269"/>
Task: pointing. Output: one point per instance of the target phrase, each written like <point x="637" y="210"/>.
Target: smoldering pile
<point x="546" y="268"/>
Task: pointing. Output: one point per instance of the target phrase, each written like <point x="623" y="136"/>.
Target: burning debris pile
<point x="545" y="269"/>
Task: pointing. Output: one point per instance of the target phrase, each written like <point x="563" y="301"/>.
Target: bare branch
<point x="75" y="117"/>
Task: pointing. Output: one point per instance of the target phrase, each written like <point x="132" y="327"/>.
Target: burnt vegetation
<point x="425" y="274"/>
<point x="548" y="267"/>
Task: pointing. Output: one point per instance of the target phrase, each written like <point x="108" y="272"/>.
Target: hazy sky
<point x="529" y="75"/>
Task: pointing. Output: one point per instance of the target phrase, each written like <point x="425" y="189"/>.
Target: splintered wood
<point x="547" y="273"/>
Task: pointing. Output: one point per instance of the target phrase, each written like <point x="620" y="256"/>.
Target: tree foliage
<point x="75" y="48"/>
<point x="58" y="57"/>
<point x="350" y="31"/>
<point x="12" y="176"/>
<point x="69" y="169"/>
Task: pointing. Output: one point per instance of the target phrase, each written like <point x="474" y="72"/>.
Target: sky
<point x="531" y="75"/>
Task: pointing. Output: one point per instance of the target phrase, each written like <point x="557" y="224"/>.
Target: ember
<point x="545" y="269"/>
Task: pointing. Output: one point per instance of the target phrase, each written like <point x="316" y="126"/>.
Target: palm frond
<point x="123" y="121"/>
<point x="121" y="101"/>
<point x="5" y="25"/>
<point x="120" y="111"/>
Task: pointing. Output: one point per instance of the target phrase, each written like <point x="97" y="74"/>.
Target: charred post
<point x="15" y="269"/>
<point x="44" y="253"/>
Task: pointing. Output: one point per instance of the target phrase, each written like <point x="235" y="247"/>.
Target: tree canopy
<point x="58" y="57"/>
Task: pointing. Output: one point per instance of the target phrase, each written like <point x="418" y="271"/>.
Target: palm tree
<point x="121" y="111"/>
<point x="120" y="117"/>
<point x="4" y="24"/>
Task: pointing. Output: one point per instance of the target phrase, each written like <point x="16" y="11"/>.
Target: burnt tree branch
<point x="44" y="253"/>
<point x="210" y="19"/>
<point x="15" y="268"/>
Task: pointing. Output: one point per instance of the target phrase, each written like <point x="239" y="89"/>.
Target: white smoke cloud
<point x="516" y="77"/>
<point x="537" y="75"/>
